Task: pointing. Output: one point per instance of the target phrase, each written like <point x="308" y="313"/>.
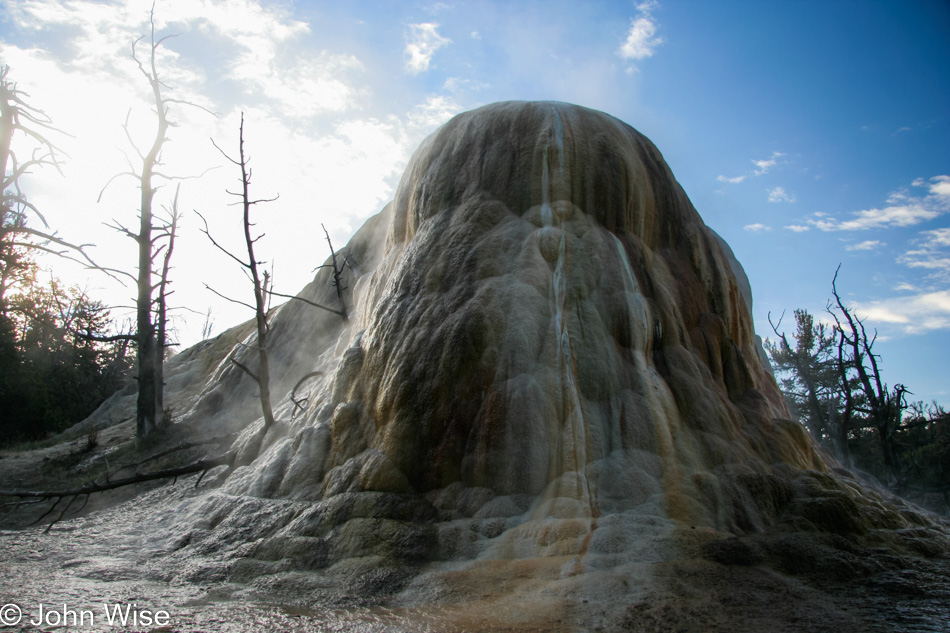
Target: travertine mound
<point x="553" y="317"/>
<point x="549" y="386"/>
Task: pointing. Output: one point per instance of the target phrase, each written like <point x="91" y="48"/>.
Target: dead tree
<point x="17" y="236"/>
<point x="865" y="392"/>
<point x="153" y="236"/>
<point x="337" y="282"/>
<point x="260" y="280"/>
<point x="171" y="231"/>
<point x="337" y="272"/>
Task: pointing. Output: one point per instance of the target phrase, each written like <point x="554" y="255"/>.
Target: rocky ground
<point x="779" y="581"/>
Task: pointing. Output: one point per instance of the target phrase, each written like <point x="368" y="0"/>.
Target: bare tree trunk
<point x="260" y="281"/>
<point x="260" y="291"/>
<point x="149" y="407"/>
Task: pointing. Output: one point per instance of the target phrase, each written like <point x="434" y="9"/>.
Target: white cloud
<point x="755" y="228"/>
<point x="258" y="46"/>
<point x="867" y="245"/>
<point x="641" y="40"/>
<point x="763" y="166"/>
<point x="938" y="238"/>
<point x="904" y="215"/>
<point x="940" y="186"/>
<point x="931" y="252"/>
<point x="915" y="314"/>
<point x="303" y="88"/>
<point x="458" y="84"/>
<point x="904" y="210"/>
<point x="778" y="194"/>
<point x="735" y="180"/>
<point x="422" y="43"/>
<point x="435" y="111"/>
<point x="797" y="228"/>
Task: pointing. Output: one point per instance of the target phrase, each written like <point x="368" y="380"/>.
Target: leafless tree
<point x="337" y="266"/>
<point x="864" y="390"/>
<point x="261" y="281"/>
<point x="17" y="237"/>
<point x="155" y="238"/>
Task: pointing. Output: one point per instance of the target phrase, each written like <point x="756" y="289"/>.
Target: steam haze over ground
<point x="806" y="134"/>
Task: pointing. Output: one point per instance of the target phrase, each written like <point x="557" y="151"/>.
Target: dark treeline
<point x="51" y="375"/>
<point x="832" y="382"/>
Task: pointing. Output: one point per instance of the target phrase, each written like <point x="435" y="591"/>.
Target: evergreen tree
<point x="51" y="375"/>
<point x="809" y="376"/>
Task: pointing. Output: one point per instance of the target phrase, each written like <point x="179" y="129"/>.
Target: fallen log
<point x="202" y="466"/>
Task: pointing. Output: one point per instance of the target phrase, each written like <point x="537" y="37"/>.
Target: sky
<point x="808" y="134"/>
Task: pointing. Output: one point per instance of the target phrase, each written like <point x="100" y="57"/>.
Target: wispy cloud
<point x="435" y="111"/>
<point x="757" y="227"/>
<point x="778" y="194"/>
<point x="914" y="314"/>
<point x="867" y="245"/>
<point x="762" y="167"/>
<point x="797" y="228"/>
<point x="903" y="209"/>
<point x="458" y="84"/>
<point x="641" y="38"/>
<point x="931" y="252"/>
<point x="421" y="44"/>
<point x="736" y="180"/>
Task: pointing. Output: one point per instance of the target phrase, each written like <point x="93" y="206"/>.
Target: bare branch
<point x="223" y="153"/>
<point x="193" y="177"/>
<point x="192" y="104"/>
<point x="221" y="248"/>
<point x="246" y="370"/>
<point x="115" y="177"/>
<point x="308" y="302"/>
<point x="227" y="298"/>
<point x="299" y="404"/>
<point x="106" y="339"/>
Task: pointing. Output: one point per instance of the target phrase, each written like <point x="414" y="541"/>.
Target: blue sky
<point x="808" y="134"/>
